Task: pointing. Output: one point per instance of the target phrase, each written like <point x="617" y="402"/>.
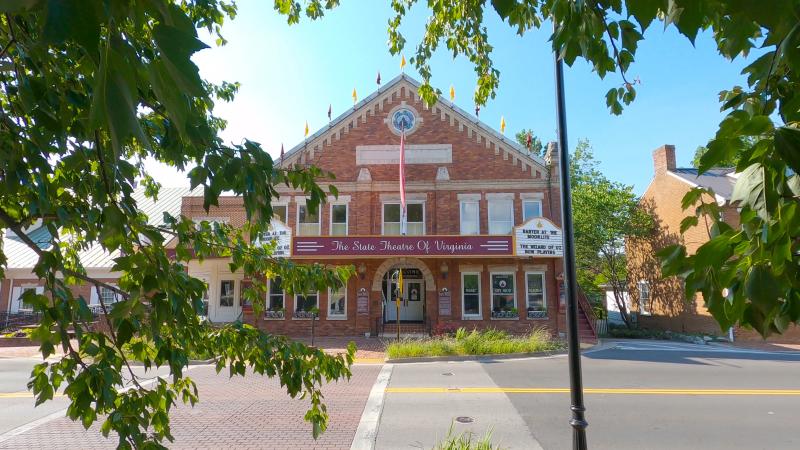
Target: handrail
<point x="588" y="312"/>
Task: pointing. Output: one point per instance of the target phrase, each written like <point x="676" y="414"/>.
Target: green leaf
<point x="177" y="46"/>
<point x="750" y="190"/>
<point x="503" y="7"/>
<point x="72" y="20"/>
<point x="688" y="222"/>
<point x="787" y="144"/>
<point x="644" y="11"/>
<point x="762" y="288"/>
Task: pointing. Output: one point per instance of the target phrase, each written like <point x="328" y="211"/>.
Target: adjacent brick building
<point x="660" y="302"/>
<point x="466" y="258"/>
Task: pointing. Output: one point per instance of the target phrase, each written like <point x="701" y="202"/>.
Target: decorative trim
<point x="502" y="269"/>
<point x="409" y="197"/>
<point x="470" y="268"/>
<point x="499" y="196"/>
<point x="442" y="174"/>
<point x="468" y="197"/>
<point x="531" y="195"/>
<point x="341" y="199"/>
<point x="364" y="175"/>
<point x="414" y="154"/>
<point x="403" y="263"/>
<point x="535" y="267"/>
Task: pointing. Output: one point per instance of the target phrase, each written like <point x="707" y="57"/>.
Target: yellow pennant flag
<point x="502" y="124"/>
<point x="400" y="282"/>
<point x="452" y="93"/>
<point x="306" y="135"/>
<point x="355" y="96"/>
<point x="402" y="62"/>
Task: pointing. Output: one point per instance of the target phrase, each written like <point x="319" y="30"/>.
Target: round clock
<point x="403" y="120"/>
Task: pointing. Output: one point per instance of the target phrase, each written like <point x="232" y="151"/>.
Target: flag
<point x="329" y="112"/>
<point x="452" y="93"/>
<point x="502" y="124"/>
<point x="306" y="135"/>
<point x="402" y="179"/>
<point x="281" y="153"/>
<point x="399" y="283"/>
<point x="402" y="62"/>
<point x="355" y="97"/>
<point x="379" y="79"/>
<point x="528" y="141"/>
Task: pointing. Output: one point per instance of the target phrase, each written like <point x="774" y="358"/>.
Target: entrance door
<point x="411" y="305"/>
<point x="226" y="302"/>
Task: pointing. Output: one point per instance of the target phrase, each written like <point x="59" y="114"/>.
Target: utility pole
<point x="578" y="422"/>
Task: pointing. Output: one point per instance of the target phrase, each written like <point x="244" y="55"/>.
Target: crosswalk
<point x="671" y="346"/>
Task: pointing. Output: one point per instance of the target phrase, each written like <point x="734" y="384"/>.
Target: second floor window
<point x="469" y="218"/>
<point x="275" y="297"/>
<point x="338" y="220"/>
<point x="531" y="209"/>
<point x="307" y="223"/>
<point x="279" y="212"/>
<point x="415" y="219"/>
<point x="501" y="216"/>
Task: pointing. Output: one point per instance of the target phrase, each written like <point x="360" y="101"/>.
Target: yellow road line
<point x="622" y="391"/>
<point x="22" y="395"/>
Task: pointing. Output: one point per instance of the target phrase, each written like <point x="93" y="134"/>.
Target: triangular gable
<point x="394" y="89"/>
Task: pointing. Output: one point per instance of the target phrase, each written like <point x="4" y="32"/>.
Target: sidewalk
<point x="371" y="349"/>
<point x="242" y="413"/>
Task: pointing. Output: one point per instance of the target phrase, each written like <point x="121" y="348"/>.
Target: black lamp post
<point x="578" y="422"/>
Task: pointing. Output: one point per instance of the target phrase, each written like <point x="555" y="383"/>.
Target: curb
<point x="367" y="431"/>
<point x="457" y="358"/>
<point x="192" y="362"/>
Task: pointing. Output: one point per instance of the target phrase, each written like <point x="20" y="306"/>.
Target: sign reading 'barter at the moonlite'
<point x="538" y="237"/>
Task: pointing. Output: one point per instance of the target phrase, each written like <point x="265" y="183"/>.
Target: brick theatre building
<point x="483" y="243"/>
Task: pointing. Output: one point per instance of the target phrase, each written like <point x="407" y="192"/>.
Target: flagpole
<point x="578" y="421"/>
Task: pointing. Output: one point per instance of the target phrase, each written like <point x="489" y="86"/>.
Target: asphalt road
<point x="640" y="395"/>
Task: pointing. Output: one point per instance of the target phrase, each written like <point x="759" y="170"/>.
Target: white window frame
<point x="477" y="204"/>
<point x="211" y="221"/>
<point x="495" y="201"/>
<point x="464" y="315"/>
<point x="270" y="294"/>
<point x="308" y="294"/>
<point x="544" y="291"/>
<point x="328" y="314"/>
<point x="234" y="302"/>
<point x="491" y="288"/>
<point x="298" y="224"/>
<point x="94" y="300"/>
<point x="286" y="215"/>
<point x="383" y="213"/>
<point x="524" y="201"/>
<point x="644" y="306"/>
<point x="346" y="219"/>
<point x="17" y="300"/>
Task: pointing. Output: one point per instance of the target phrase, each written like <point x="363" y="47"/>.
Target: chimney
<point x="664" y="159"/>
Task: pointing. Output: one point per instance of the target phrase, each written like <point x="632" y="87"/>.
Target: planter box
<point x="537" y="314"/>
<point x="303" y="315"/>
<point x="504" y="315"/>
<point x="274" y="315"/>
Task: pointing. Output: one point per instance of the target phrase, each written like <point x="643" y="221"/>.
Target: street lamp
<point x="578" y="422"/>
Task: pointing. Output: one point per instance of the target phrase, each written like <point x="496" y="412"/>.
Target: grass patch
<point x="486" y="342"/>
<point x="466" y="441"/>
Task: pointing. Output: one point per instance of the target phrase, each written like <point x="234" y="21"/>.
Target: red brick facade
<point x="482" y="166"/>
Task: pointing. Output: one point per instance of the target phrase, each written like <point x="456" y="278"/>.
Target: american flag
<point x="402" y="179"/>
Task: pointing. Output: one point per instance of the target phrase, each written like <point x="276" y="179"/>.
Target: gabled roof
<point x="323" y="136"/>
<point x="720" y="180"/>
<point x="20" y="256"/>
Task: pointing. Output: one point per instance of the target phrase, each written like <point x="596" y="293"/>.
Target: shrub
<point x="487" y="342"/>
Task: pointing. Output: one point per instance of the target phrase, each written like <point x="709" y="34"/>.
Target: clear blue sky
<point x="291" y="74"/>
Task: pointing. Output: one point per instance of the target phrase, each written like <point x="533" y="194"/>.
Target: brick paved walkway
<point x="368" y="348"/>
<point x="242" y="413"/>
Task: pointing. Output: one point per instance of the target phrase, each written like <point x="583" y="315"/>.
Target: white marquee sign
<point x="538" y="237"/>
<point x="278" y="231"/>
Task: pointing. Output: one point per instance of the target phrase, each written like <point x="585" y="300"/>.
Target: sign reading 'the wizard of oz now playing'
<point x="539" y="237"/>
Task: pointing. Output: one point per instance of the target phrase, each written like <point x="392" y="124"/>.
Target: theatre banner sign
<point x="539" y="237"/>
<point x="333" y="246"/>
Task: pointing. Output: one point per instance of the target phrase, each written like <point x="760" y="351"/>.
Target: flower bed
<point x="487" y="342"/>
